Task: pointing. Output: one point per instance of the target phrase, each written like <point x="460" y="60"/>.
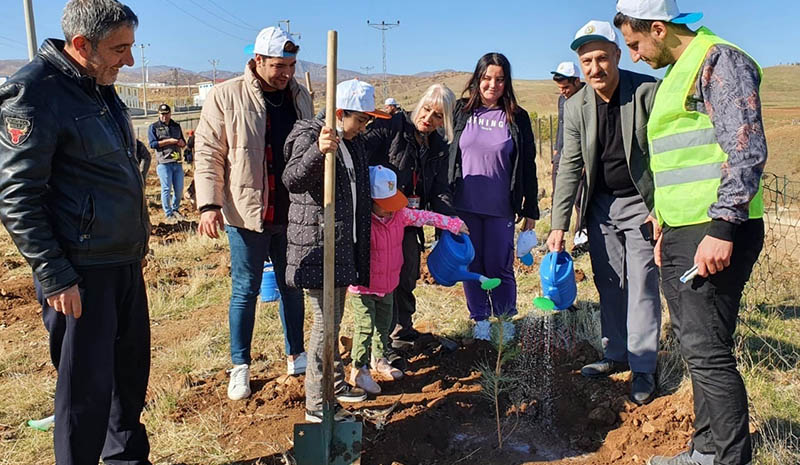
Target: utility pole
<point x="175" y="103"/>
<point x="214" y="64"/>
<point x="383" y="26"/>
<point x="367" y="69"/>
<point x="144" y="79"/>
<point x="30" y="27"/>
<point x="288" y="27"/>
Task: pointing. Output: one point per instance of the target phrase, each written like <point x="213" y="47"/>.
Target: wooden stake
<point x="329" y="244"/>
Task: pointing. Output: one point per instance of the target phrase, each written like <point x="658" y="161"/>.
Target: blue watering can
<point x="558" y="282"/>
<point x="449" y="260"/>
<point x="269" y="284"/>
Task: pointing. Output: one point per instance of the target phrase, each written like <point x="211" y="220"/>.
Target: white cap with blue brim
<point x="657" y="10"/>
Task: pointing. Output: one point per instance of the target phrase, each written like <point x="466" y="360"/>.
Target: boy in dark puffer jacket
<point x="303" y="177"/>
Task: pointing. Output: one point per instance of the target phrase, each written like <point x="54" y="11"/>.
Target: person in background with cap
<point x="304" y="150"/>
<point x="71" y="198"/>
<point x="414" y="148"/>
<point x="166" y="138"/>
<point x="493" y="174"/>
<point x="568" y="80"/>
<point x="391" y="106"/>
<point x="372" y="305"/>
<point x="707" y="153"/>
<point x="604" y="136"/>
<point x="238" y="167"/>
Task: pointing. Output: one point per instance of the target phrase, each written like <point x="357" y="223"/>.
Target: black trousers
<point x="405" y="304"/>
<point x="103" y="364"/>
<point x="703" y="313"/>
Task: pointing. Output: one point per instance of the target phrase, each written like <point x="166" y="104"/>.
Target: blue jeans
<point x="249" y="250"/>
<point x="171" y="177"/>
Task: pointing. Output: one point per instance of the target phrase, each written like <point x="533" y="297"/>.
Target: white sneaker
<point x="481" y="330"/>
<point x="239" y="385"/>
<point x="296" y="366"/>
<point x="508" y="332"/>
<point x="362" y="378"/>
<point x="383" y="367"/>
<point x="178" y="216"/>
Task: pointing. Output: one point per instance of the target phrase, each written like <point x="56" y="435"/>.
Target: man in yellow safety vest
<point x="707" y="154"/>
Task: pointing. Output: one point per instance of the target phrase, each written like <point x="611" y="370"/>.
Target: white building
<point x="203" y="89"/>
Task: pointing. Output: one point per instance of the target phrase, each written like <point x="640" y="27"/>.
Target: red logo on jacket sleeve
<point x="18" y="129"/>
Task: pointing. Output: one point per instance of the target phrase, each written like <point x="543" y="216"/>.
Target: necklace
<point x="279" y="104"/>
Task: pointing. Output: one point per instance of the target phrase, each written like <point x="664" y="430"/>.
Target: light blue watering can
<point x="557" y="274"/>
<point x="449" y="260"/>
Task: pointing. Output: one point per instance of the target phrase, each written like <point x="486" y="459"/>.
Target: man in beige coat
<point x="239" y="163"/>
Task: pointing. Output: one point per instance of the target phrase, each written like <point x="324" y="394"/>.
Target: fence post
<point x="539" y="132"/>
<point x="551" y="135"/>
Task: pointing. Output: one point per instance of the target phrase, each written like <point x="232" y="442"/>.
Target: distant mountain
<point x="166" y="74"/>
<point x="9" y="67"/>
<point x="432" y="73"/>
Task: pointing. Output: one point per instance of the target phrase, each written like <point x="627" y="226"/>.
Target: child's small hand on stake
<point x="328" y="141"/>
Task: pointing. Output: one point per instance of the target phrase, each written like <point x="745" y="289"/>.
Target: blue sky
<point x="433" y="35"/>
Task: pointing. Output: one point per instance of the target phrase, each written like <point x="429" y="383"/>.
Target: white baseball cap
<point x="593" y="31"/>
<point x="526" y="241"/>
<point x="566" y="69"/>
<point x="390" y="101"/>
<point x="383" y="189"/>
<point x="657" y="10"/>
<point x="270" y="42"/>
<point x="355" y="95"/>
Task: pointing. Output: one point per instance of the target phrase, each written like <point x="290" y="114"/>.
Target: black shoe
<point x="340" y="414"/>
<point x="579" y="250"/>
<point x="684" y="458"/>
<point x="396" y="359"/>
<point x="603" y="368"/>
<point x="405" y="339"/>
<point x="643" y="387"/>
<point x="351" y="394"/>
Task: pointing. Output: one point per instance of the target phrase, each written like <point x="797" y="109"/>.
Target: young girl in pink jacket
<point x="372" y="306"/>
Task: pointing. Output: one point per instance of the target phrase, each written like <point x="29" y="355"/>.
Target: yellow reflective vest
<point x="685" y="157"/>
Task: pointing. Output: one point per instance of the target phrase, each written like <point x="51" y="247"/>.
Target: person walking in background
<point x="71" y="198"/>
<point x="601" y="140"/>
<point x="144" y="158"/>
<point x="493" y="173"/>
<point x="305" y="148"/>
<point x="188" y="155"/>
<point x="372" y="305"/>
<point x="392" y="107"/>
<point x="166" y="138"/>
<point x="238" y="169"/>
<point x="568" y="80"/>
<point x="413" y="147"/>
<point x="707" y="152"/>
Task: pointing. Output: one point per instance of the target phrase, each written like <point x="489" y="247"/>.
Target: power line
<point x="9" y="39"/>
<point x="206" y="23"/>
<point x="216" y="16"/>
<point x="225" y="10"/>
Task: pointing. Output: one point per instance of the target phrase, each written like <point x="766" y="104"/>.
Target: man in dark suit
<point x="605" y="133"/>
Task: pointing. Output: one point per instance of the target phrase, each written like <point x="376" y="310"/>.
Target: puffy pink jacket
<point x="386" y="246"/>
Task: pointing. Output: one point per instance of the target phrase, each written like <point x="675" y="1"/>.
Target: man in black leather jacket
<point x="71" y="197"/>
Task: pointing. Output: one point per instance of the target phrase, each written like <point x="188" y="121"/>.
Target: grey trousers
<point x="627" y="279"/>
<point x="315" y="348"/>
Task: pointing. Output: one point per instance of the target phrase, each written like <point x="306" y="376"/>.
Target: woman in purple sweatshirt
<point x="493" y="173"/>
